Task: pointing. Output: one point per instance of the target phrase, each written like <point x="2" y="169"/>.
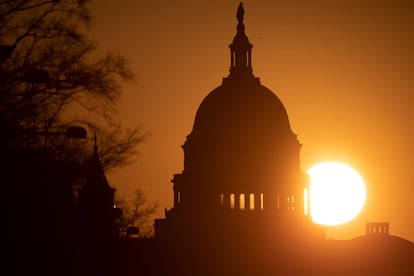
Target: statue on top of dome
<point x="240" y="12"/>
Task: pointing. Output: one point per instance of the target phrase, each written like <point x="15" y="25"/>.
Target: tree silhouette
<point x="137" y="213"/>
<point x="50" y="70"/>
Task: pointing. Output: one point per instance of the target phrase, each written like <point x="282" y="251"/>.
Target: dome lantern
<point x="240" y="48"/>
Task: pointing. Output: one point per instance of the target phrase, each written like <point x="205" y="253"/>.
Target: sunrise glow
<point x="337" y="193"/>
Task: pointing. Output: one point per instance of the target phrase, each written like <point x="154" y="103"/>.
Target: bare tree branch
<point x="138" y="213"/>
<point x="49" y="36"/>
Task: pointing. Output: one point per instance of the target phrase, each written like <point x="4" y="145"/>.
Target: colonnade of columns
<point x="242" y="201"/>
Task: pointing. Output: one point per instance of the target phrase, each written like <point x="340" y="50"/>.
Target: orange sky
<point x="344" y="70"/>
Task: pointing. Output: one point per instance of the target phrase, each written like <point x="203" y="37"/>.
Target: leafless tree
<point x="137" y="213"/>
<point x="50" y="70"/>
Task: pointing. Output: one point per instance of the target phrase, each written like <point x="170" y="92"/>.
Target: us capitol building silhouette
<point x="239" y="203"/>
<point x="242" y="171"/>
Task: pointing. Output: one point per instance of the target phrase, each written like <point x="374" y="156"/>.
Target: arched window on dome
<point x="232" y="201"/>
<point x="251" y="202"/>
<point x="261" y="201"/>
<point x="242" y="202"/>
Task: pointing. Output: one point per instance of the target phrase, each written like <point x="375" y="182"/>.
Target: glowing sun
<point x="337" y="193"/>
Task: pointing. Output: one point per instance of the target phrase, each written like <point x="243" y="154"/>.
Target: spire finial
<point x="240" y="49"/>
<point x="240" y="13"/>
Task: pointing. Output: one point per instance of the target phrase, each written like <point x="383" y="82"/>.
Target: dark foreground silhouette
<point x="381" y="255"/>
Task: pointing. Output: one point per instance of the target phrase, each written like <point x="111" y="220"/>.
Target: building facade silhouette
<point x="242" y="182"/>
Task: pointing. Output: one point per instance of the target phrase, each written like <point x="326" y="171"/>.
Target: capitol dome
<point x="236" y="110"/>
<point x="241" y="104"/>
<point x="241" y="147"/>
<point x="241" y="171"/>
<point x="241" y="131"/>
